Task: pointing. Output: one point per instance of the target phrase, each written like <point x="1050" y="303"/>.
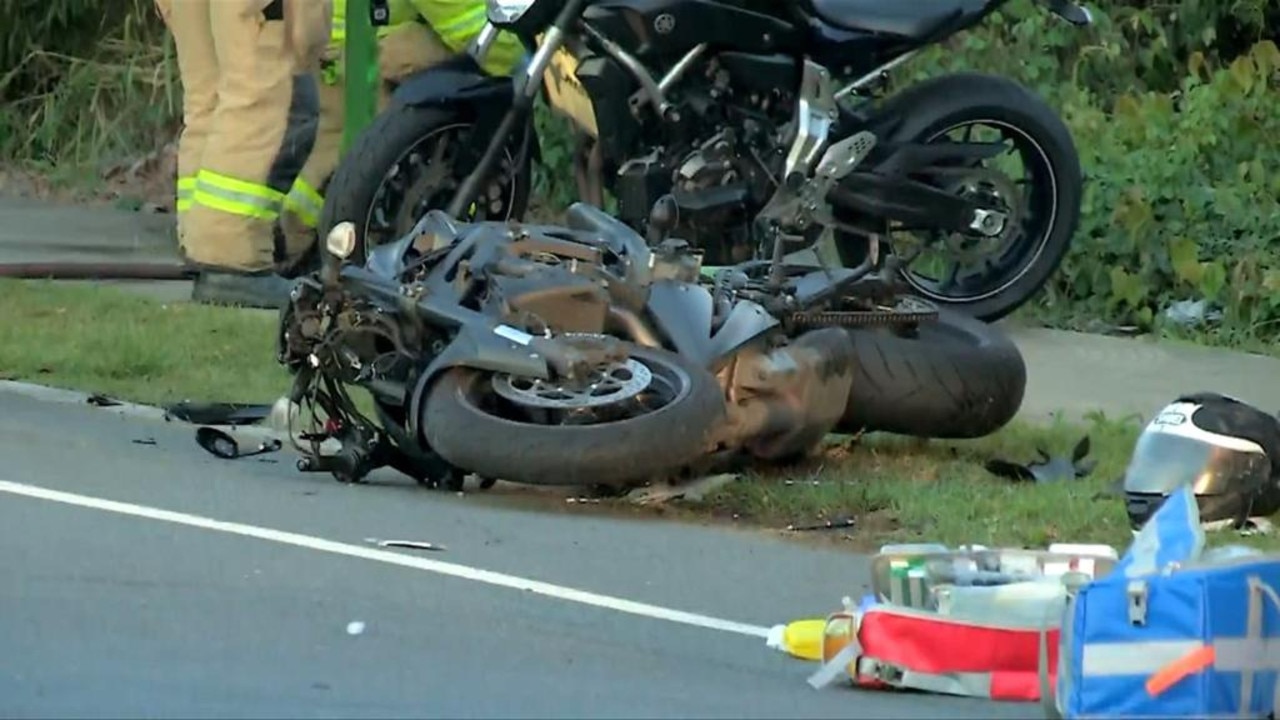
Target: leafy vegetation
<point x="1173" y="106"/>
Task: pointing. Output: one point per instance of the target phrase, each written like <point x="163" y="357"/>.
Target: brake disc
<point x="607" y="384"/>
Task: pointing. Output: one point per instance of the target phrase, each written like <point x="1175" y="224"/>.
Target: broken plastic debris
<point x="1250" y="526"/>
<point x="219" y="443"/>
<point x="355" y="627"/>
<point x="693" y="491"/>
<point x="799" y="638"/>
<point x="218" y="413"/>
<point x="1192" y="312"/>
<point x="411" y="544"/>
<point x="99" y="400"/>
<point x="1047" y="469"/>
<point x="825" y="525"/>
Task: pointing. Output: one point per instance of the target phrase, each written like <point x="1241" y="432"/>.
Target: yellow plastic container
<point x="800" y="638"/>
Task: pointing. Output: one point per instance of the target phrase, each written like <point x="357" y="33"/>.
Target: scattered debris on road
<point x="218" y="413"/>
<point x="220" y="444"/>
<point x="1047" y="469"/>
<point x="835" y="524"/>
<point x="144" y="441"/>
<point x="692" y="491"/>
<point x="98" y="400"/>
<point x="355" y="627"/>
<point x="408" y="544"/>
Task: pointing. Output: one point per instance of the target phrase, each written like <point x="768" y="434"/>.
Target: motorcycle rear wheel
<point x="468" y="423"/>
<point x="1011" y="278"/>
<point x="954" y="378"/>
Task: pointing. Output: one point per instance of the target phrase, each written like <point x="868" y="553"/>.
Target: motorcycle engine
<point x="716" y="187"/>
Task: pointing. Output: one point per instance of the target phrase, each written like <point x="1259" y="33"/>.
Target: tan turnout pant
<point x="249" y="113"/>
<point x="405" y="49"/>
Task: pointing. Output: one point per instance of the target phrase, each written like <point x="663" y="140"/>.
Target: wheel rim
<point x="422" y="179"/>
<point x="613" y="392"/>
<point x="970" y="272"/>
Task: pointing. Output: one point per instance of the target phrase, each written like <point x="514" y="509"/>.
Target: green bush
<point x="1173" y="106"/>
<point x="1183" y="201"/>
<point x="1174" y="111"/>
<point x="87" y="83"/>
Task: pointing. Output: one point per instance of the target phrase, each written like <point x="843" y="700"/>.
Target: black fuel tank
<point x="673" y="27"/>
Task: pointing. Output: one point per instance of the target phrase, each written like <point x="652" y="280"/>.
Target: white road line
<point x="391" y="558"/>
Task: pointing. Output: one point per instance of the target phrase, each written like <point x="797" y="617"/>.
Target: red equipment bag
<point x="974" y="641"/>
<point x="907" y="648"/>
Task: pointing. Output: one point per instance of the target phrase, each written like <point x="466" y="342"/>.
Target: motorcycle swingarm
<point x="912" y="203"/>
<point x="919" y="158"/>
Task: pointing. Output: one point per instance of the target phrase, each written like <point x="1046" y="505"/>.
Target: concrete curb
<point x="272" y="429"/>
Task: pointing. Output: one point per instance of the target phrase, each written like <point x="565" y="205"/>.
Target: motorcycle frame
<point x="816" y="114"/>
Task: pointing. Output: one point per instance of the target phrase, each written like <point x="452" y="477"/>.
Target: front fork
<point x="527" y="84"/>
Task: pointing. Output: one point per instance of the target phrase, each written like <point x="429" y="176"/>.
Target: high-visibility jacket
<point x="457" y="22"/>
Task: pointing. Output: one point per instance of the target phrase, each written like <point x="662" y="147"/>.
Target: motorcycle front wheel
<point x="631" y="421"/>
<point x="984" y="277"/>
<point x="403" y="165"/>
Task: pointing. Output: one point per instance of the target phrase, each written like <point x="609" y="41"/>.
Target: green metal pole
<point x="360" y="72"/>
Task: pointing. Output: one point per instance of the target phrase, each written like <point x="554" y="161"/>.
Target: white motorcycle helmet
<point x="1228" y="451"/>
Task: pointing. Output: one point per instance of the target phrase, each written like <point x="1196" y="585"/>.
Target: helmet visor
<point x="1163" y="462"/>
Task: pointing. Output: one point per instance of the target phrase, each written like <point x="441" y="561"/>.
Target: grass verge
<point x="899" y="489"/>
<point x="106" y="340"/>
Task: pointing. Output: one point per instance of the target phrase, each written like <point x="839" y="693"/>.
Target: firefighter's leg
<point x="188" y="20"/>
<point x="263" y="129"/>
<point x="305" y="199"/>
<point x="404" y="50"/>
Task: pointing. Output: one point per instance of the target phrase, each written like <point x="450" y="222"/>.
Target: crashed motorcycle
<point x="586" y="354"/>
<point x="730" y="105"/>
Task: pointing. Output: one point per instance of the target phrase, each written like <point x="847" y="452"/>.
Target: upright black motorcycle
<point x="761" y="119"/>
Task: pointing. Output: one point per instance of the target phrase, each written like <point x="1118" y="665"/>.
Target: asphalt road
<point x="106" y="613"/>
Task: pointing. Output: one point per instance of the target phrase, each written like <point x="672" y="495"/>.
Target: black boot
<point x="268" y="291"/>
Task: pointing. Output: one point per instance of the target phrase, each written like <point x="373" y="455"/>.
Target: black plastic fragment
<point x="220" y="444"/>
<point x="218" y="413"/>
<point x="1046" y="469"/>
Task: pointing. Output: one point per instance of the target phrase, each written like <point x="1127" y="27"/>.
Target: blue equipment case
<point x="1168" y="635"/>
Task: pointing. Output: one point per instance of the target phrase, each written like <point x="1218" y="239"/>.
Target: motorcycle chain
<point x="860" y="318"/>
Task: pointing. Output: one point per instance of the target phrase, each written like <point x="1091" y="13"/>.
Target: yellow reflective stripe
<point x="236" y="185"/>
<point x="238" y="197"/>
<point x="460" y="30"/>
<point x="186" y="188"/>
<point x="305" y="202"/>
